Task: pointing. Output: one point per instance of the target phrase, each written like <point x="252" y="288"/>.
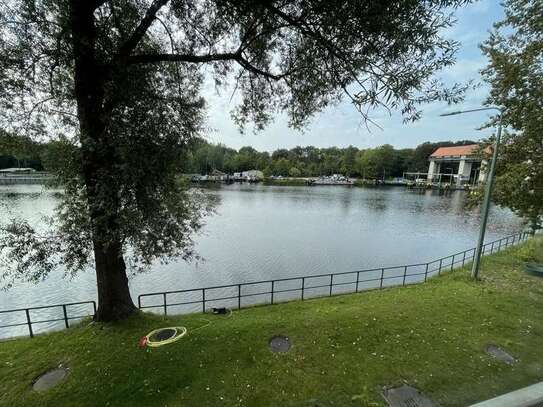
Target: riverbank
<point x="287" y="181"/>
<point x="308" y="181"/>
<point x="345" y="348"/>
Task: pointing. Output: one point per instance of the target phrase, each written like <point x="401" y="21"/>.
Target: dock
<point x="25" y="178"/>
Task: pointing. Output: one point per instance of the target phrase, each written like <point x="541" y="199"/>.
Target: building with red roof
<point x="458" y="165"/>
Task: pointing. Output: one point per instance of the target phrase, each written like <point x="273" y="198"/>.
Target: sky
<point x="341" y="125"/>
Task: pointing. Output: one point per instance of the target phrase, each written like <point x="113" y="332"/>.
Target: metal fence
<point x="30" y="322"/>
<point x="270" y="291"/>
<point x="301" y="288"/>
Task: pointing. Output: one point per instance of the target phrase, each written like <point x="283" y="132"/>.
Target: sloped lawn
<point x="345" y="349"/>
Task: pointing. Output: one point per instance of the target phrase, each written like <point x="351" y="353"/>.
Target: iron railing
<point x="304" y="287"/>
<point x="29" y="322"/>
<point x="377" y="278"/>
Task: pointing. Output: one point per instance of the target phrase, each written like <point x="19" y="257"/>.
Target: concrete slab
<point x="407" y="396"/>
<point x="50" y="379"/>
<point x="530" y="396"/>
<point x="500" y="354"/>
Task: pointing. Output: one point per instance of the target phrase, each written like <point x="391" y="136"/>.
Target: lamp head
<point x="451" y="113"/>
<point x="472" y="110"/>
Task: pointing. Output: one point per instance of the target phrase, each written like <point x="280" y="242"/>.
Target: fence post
<point x="165" y="306"/>
<point x="29" y="323"/>
<point x="204" y="300"/>
<point x="440" y="263"/>
<point x="331" y="283"/>
<point x="464" y="259"/>
<point x="139" y="301"/>
<point x="357" y="279"/>
<point x="492" y="247"/>
<point x="65" y="316"/>
<point x="303" y="287"/>
<point x="452" y="262"/>
<point x="273" y="286"/>
<point x="94" y="308"/>
<point x="426" y="272"/>
<point x="404" y="274"/>
<point x="239" y="296"/>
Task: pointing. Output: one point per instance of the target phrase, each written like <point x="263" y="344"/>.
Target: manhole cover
<point x="49" y="379"/>
<point x="500" y="354"/>
<point x="163" y="335"/>
<point x="279" y="344"/>
<point x="406" y="396"/>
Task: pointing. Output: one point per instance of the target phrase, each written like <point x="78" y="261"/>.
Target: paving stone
<point x="498" y="353"/>
<point x="407" y="396"/>
<point x="50" y="379"/>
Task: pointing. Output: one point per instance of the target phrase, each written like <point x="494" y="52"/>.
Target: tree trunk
<point x="114" y="301"/>
<point x="98" y="165"/>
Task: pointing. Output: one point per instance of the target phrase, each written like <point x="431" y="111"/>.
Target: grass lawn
<point x="345" y="349"/>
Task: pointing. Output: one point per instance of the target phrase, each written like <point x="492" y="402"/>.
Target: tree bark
<point x="98" y="165"/>
<point x="114" y="301"/>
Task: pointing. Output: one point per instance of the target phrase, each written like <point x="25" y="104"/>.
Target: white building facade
<point x="459" y="165"/>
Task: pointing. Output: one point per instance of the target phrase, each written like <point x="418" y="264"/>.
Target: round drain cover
<point x="163" y="335"/>
<point x="500" y="354"/>
<point x="279" y="344"/>
<point x="49" y="379"/>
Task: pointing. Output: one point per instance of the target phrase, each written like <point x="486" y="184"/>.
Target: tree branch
<point x="191" y="58"/>
<point x="156" y="58"/>
<point x="248" y="66"/>
<point x="141" y="29"/>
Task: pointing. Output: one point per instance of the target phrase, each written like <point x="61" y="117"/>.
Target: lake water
<point x="266" y="232"/>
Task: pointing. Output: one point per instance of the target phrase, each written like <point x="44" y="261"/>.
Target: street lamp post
<point x="488" y="188"/>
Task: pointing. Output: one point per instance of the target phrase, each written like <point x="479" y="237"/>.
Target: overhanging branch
<point x="156" y="58"/>
<point x="134" y="39"/>
<point x="191" y="58"/>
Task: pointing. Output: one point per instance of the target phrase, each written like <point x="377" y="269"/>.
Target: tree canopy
<point x="515" y="74"/>
<point x="310" y="161"/>
<point x="122" y="80"/>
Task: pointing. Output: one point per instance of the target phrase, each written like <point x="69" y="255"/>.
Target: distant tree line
<point x="19" y="152"/>
<point x="204" y="158"/>
<point x="383" y="161"/>
<point x="23" y="152"/>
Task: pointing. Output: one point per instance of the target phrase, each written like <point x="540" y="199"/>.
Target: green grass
<point x="345" y="349"/>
